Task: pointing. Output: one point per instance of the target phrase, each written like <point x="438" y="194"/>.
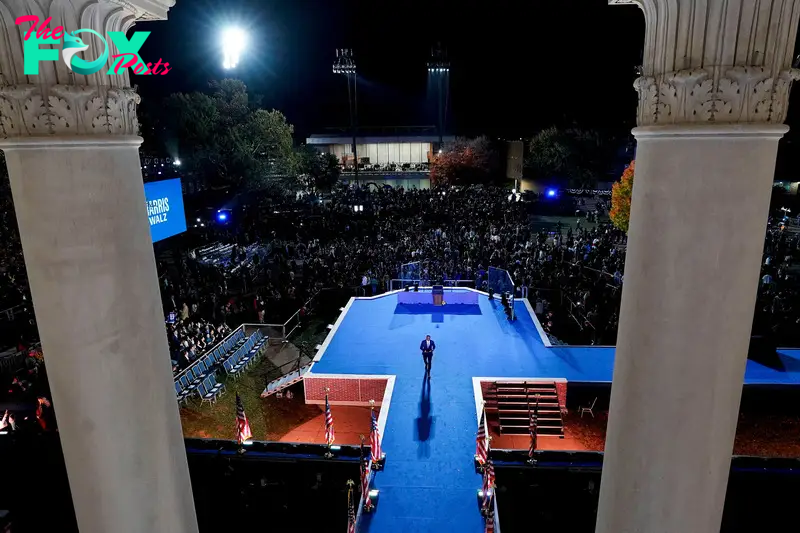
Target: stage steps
<point x="509" y="404"/>
<point x="277" y="385"/>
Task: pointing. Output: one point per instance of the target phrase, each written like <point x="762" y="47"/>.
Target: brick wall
<point x="345" y="390"/>
<point x="561" y="388"/>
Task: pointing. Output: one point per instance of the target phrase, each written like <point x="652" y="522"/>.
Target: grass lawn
<point x="269" y="418"/>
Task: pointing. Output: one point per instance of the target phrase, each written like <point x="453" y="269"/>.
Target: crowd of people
<point x="361" y="238"/>
<point x="777" y="312"/>
<point x="454" y="235"/>
<point x="190" y="339"/>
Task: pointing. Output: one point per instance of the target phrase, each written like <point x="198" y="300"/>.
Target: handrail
<point x="10" y="312"/>
<point x="297" y="366"/>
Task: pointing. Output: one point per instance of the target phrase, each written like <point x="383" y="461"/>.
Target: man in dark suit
<point x="427" y="346"/>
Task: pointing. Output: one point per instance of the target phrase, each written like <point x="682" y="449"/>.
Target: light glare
<point x="233" y="43"/>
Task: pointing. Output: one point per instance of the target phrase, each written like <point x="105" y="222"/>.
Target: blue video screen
<point x="164" y="202"/>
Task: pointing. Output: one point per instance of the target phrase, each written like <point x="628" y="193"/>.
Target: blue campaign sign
<point x="164" y="202"/>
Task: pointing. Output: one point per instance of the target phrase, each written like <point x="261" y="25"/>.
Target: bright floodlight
<point x="177" y="162"/>
<point x="233" y="42"/>
<point x="551" y="193"/>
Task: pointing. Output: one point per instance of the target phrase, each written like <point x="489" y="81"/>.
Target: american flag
<point x="532" y="430"/>
<point x="481" y="446"/>
<point x="351" y="510"/>
<point x="488" y="484"/>
<point x="375" y="439"/>
<point x="243" y="433"/>
<point x="363" y="464"/>
<point x="329" y="435"/>
<point x="489" y="524"/>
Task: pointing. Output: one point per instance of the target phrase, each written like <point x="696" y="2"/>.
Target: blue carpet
<point x="429" y="484"/>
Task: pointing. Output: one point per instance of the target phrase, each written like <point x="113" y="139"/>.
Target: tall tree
<point x="466" y="162"/>
<point x="316" y="170"/>
<point x="580" y="157"/>
<point x="621" y="192"/>
<point x="225" y="138"/>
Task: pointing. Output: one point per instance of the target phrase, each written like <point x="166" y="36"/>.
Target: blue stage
<point x="429" y="484"/>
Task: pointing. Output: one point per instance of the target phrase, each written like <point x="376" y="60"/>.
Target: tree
<point x="226" y="139"/>
<point x="316" y="170"/>
<point x="581" y="157"/>
<point x="466" y="162"/>
<point x="621" y="191"/>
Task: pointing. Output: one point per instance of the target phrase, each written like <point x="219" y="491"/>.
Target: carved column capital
<point x="723" y="61"/>
<point x="58" y="101"/>
<point x="35" y="110"/>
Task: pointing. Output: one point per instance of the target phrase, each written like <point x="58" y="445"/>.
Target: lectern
<point x="438" y="295"/>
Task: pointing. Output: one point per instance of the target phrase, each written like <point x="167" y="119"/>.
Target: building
<point x="397" y="157"/>
<point x="515" y="161"/>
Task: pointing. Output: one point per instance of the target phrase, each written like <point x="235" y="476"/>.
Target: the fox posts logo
<point x="73" y="45"/>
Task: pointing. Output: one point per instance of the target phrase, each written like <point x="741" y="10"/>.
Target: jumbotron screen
<point x="164" y="203"/>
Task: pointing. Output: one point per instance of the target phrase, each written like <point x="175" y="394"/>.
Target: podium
<point x="438" y="295"/>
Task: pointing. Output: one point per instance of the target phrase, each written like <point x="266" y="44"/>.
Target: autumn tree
<point x="621" y="199"/>
<point x="465" y="162"/>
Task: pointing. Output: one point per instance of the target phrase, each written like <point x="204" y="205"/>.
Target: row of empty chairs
<point x="235" y="352"/>
<point x="244" y="355"/>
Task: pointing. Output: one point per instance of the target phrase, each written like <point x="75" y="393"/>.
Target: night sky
<point x="517" y="66"/>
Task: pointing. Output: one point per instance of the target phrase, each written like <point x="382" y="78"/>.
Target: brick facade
<point x="352" y="391"/>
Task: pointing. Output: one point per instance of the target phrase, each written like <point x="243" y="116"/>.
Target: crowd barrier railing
<point x="9" y="313"/>
<point x="284" y="330"/>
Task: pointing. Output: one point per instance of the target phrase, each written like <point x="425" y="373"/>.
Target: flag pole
<point x="376" y="453"/>
<point x="364" y="467"/>
<point x="351" y="512"/>
<point x="329" y="436"/>
<point x="532" y="429"/>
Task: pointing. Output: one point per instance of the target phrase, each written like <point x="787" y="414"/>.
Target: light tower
<point x="439" y="71"/>
<point x="345" y="64"/>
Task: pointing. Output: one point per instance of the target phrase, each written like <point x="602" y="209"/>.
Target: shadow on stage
<point x="424" y="424"/>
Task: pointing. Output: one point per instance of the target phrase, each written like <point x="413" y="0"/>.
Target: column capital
<point x="58" y="101"/>
<point x="720" y="61"/>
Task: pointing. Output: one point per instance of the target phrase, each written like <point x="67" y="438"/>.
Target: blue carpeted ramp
<point x="429" y="483"/>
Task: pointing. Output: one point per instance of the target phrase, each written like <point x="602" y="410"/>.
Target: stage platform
<point x="429" y="484"/>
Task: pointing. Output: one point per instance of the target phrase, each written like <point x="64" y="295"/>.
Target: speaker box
<point x="763" y="351"/>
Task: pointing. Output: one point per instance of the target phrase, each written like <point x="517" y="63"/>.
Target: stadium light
<point x="233" y="43"/>
<point x="438" y="61"/>
<point x="345" y="63"/>
<point x="177" y="162"/>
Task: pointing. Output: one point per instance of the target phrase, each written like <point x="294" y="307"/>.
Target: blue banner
<point x="164" y="202"/>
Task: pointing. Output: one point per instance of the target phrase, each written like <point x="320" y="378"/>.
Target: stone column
<point x="71" y="146"/>
<point x="712" y="100"/>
